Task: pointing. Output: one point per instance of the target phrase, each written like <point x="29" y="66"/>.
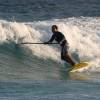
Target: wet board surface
<point x="79" y="66"/>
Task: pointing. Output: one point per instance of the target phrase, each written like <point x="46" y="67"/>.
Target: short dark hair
<point x="55" y="26"/>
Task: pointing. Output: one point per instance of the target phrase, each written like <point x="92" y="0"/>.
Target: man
<point x="60" y="38"/>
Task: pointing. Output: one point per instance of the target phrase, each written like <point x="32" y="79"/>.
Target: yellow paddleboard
<point x="79" y="66"/>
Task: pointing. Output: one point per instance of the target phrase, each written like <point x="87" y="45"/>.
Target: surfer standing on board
<point x="60" y="38"/>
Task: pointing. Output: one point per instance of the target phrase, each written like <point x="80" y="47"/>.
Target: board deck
<point x="79" y="66"/>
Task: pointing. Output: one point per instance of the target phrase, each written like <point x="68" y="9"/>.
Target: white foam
<point x="83" y="35"/>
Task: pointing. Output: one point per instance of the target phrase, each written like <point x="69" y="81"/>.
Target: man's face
<point x="54" y="29"/>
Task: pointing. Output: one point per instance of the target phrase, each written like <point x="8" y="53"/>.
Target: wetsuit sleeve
<point x="52" y="38"/>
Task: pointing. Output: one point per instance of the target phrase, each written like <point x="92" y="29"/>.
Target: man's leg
<point x="65" y="56"/>
<point x="69" y="60"/>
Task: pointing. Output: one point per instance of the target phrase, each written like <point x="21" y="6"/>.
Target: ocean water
<point x="30" y="10"/>
<point x="35" y="71"/>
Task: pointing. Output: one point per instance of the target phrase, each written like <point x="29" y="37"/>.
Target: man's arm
<point x="52" y="38"/>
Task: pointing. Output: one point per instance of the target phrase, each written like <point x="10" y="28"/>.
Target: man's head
<point x="54" y="28"/>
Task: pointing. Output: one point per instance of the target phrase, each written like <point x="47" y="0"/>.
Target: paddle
<point x="36" y="43"/>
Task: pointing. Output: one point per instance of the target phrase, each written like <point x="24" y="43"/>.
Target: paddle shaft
<point x="37" y="43"/>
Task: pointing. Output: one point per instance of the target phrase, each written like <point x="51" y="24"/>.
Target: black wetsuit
<point x="60" y="38"/>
